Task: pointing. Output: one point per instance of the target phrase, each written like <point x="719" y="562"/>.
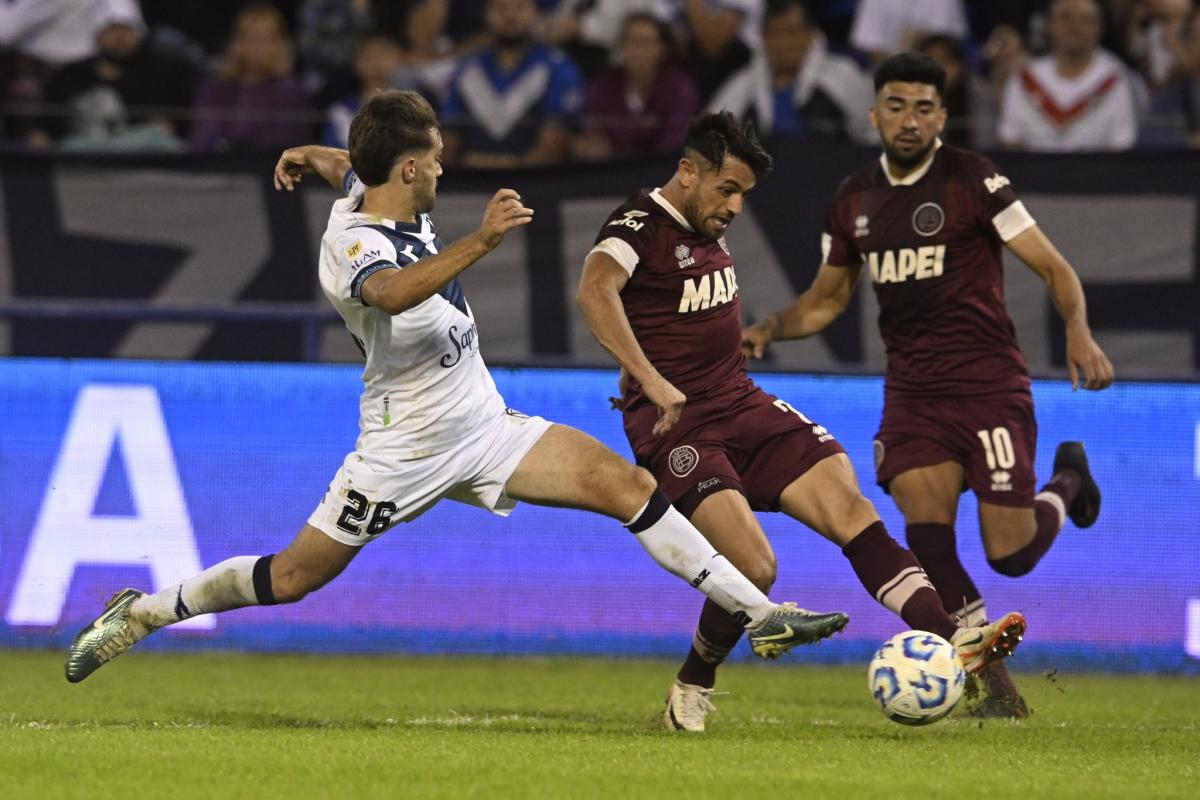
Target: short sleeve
<point x="362" y="252"/>
<point x="626" y="236"/>
<point x="999" y="201"/>
<point x="838" y="248"/>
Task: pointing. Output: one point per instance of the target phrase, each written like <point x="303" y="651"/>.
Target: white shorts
<point x="375" y="489"/>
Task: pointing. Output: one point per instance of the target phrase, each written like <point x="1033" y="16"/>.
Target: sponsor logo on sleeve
<point x="364" y="258"/>
<point x="353" y="251"/>
<point x="629" y="220"/>
<point x="860" y="226"/>
<point x="995" y="183"/>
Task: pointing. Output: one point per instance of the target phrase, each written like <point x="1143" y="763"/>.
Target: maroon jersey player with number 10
<point x="660" y="293"/>
<point x="927" y="222"/>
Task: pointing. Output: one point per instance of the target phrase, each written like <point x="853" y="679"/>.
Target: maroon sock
<point x="934" y="545"/>
<point x="1050" y="509"/>
<point x="716" y="635"/>
<point x="894" y="577"/>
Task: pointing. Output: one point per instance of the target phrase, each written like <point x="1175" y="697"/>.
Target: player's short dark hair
<point x="714" y="136"/>
<point x="911" y="68"/>
<point x="390" y="125"/>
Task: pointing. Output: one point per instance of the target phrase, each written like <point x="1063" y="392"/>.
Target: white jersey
<point x="426" y="385"/>
<point x="1097" y="110"/>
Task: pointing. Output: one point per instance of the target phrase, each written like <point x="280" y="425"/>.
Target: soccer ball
<point x="916" y="678"/>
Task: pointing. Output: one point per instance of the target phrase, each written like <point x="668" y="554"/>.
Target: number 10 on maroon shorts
<point x="994" y="438"/>
<point x="751" y="441"/>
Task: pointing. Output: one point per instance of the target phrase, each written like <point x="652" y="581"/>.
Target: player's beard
<point x="691" y="212"/>
<point x="907" y="161"/>
<point x="424" y="199"/>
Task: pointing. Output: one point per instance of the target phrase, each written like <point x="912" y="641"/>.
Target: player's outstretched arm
<point x="1083" y="354"/>
<point x="330" y="163"/>
<point x="394" y="291"/>
<point x="812" y="312"/>
<point x="599" y="299"/>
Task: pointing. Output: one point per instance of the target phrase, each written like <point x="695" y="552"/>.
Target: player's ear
<point x="874" y="117"/>
<point x="687" y="172"/>
<point x="407" y="168"/>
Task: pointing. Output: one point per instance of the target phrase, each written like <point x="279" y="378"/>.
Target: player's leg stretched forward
<point x="928" y="498"/>
<point x="569" y="468"/>
<point x="565" y="468"/>
<point x="828" y="500"/>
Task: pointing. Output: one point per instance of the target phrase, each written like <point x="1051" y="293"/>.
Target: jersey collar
<point x="657" y="197"/>
<point x="912" y="177"/>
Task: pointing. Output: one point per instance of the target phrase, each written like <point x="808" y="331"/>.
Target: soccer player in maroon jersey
<point x="927" y="221"/>
<point x="659" y="292"/>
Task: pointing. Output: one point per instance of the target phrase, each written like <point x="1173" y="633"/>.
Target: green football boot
<point x="111" y="634"/>
<point x="789" y="625"/>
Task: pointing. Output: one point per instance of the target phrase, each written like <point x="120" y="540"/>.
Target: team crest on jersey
<point x="928" y="219"/>
<point x="724" y="246"/>
<point x="684" y="254"/>
<point x="860" y="226"/>
<point x="683" y="460"/>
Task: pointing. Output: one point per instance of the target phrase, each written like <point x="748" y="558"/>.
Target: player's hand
<point x="755" y="340"/>
<point x="503" y="213"/>
<point x="1085" y="356"/>
<point x="291" y="168"/>
<point x="669" y="401"/>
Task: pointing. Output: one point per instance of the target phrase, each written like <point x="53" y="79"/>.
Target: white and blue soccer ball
<point x="916" y="678"/>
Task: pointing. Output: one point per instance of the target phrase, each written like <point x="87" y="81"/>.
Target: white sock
<point x="221" y="587"/>
<point x="682" y="550"/>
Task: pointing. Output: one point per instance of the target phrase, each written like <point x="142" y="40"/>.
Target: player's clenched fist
<point x="503" y="213"/>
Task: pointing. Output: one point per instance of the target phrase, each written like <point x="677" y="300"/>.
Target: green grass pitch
<point x="232" y="726"/>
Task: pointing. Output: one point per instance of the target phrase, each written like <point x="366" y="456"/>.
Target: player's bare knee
<point x="641" y="481"/>
<point x="761" y="570"/>
<point x="293" y="583"/>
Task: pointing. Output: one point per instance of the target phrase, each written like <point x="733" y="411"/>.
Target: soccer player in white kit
<point x="432" y="424"/>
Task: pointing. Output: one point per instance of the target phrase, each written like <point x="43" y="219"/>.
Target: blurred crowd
<point x="525" y="82"/>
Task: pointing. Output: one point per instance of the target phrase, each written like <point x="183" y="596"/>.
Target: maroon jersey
<point x="681" y="298"/>
<point x="932" y="245"/>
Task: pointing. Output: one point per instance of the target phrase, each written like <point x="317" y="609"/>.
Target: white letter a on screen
<point x="159" y="536"/>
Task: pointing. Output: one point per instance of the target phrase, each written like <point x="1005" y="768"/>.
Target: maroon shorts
<point x="750" y="441"/>
<point x="994" y="438"/>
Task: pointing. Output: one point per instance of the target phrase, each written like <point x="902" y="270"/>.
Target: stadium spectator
<point x="1079" y="97"/>
<point x="721" y="35"/>
<point x="969" y="99"/>
<point x="590" y="31"/>
<point x="794" y="86"/>
<point x="643" y="105"/>
<point x="255" y="101"/>
<point x="516" y="102"/>
<point x="120" y="99"/>
<point x="1164" y="38"/>
<point x="884" y="27"/>
<point x="54" y="32"/>
<point x="380" y="63"/>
